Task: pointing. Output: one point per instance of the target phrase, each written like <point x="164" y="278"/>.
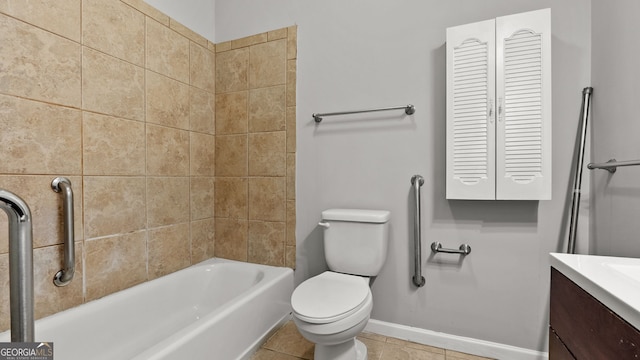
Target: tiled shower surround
<point x="167" y="139"/>
<point x="255" y="148"/>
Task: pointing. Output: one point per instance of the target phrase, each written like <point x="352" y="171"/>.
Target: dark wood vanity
<point x="581" y="327"/>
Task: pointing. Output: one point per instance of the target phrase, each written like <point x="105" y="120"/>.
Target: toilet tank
<point x="355" y="241"/>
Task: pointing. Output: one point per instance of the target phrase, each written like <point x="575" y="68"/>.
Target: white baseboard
<point x="453" y="342"/>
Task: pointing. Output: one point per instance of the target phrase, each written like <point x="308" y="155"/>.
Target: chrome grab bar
<point x="612" y="165"/>
<point x="408" y="109"/>
<point x="464" y="249"/>
<point x="64" y="276"/>
<point x="20" y="266"/>
<point x="577" y="178"/>
<point x="418" y="280"/>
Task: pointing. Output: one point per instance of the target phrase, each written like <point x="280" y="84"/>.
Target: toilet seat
<point x="330" y="297"/>
<point x="359" y="317"/>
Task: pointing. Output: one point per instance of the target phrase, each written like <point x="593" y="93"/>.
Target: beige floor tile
<point x="265" y="354"/>
<point x="289" y="341"/>
<point x="374" y="347"/>
<point x="413" y="345"/>
<point x="372" y="336"/>
<point x="288" y="344"/>
<point x="396" y="352"/>
<point x="454" y="355"/>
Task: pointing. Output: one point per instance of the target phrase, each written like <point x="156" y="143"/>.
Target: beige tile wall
<point x="255" y="148"/>
<point x="126" y="102"/>
<point x="119" y="98"/>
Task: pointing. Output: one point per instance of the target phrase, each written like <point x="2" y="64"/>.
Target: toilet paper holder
<point x="464" y="249"/>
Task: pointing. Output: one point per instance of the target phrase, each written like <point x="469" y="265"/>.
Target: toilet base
<point x="353" y="349"/>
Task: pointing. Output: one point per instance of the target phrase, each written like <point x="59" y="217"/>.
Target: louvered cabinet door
<point x="523" y="85"/>
<point x="470" y="111"/>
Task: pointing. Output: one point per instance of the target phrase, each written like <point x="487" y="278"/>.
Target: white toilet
<point x="330" y="309"/>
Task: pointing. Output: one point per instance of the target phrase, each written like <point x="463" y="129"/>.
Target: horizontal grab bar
<point x="464" y="249"/>
<point x="612" y="165"/>
<point x="408" y="109"/>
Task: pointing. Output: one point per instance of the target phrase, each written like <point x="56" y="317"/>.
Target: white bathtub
<point x="218" y="309"/>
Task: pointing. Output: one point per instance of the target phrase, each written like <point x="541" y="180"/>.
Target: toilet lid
<point x="329" y="297"/>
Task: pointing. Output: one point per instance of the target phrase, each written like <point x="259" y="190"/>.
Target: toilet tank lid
<point x="357" y="215"/>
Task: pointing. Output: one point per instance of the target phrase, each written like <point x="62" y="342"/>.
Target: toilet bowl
<point x="331" y="309"/>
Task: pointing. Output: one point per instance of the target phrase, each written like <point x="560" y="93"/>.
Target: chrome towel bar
<point x="64" y="276"/>
<point x="612" y="165"/>
<point x="408" y="109"/>
<point x="464" y="249"/>
<point x="418" y="280"/>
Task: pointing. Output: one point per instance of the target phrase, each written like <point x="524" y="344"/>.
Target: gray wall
<point x="359" y="54"/>
<point x="616" y="127"/>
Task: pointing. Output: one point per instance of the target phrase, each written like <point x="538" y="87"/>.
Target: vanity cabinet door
<point x="557" y="349"/>
<point x="587" y="328"/>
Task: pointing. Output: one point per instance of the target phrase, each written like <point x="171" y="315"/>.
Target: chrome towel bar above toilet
<point x="464" y="249"/>
<point x="408" y="109"/>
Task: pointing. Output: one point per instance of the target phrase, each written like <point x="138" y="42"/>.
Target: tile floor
<point x="288" y="344"/>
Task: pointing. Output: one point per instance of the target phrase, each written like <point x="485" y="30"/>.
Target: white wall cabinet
<point x="499" y="108"/>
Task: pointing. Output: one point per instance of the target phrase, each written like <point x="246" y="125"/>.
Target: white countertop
<point x="614" y="281"/>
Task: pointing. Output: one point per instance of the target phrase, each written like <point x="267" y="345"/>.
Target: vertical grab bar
<point x="418" y="280"/>
<point x="20" y="266"/>
<point x="64" y="276"/>
<point x="577" y="179"/>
